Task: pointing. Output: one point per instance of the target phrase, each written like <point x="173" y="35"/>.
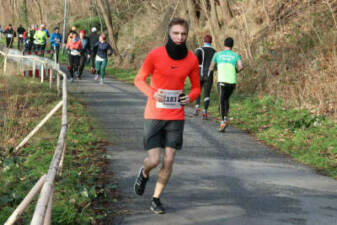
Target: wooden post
<point x="34" y="68"/>
<point x="50" y="78"/>
<point x="62" y="160"/>
<point x="58" y="83"/>
<point x="26" y="201"/>
<point x="5" y="64"/>
<point x="42" y="73"/>
<point x="37" y="128"/>
<point x="42" y="203"/>
<point x="47" y="218"/>
<point x="22" y="67"/>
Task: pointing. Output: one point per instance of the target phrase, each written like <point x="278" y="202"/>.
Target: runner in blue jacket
<point x="55" y="41"/>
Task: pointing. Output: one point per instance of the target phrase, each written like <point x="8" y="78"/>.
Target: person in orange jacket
<point x="74" y="47"/>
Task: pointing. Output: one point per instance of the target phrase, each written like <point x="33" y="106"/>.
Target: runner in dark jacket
<point x="85" y="52"/>
<point x="101" y="50"/>
<point x="10" y="34"/>
<point x="93" y="37"/>
<point x="205" y="55"/>
<point x="20" y="32"/>
<point x="29" y="38"/>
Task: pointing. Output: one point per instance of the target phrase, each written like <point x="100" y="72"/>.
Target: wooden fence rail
<point x="45" y="185"/>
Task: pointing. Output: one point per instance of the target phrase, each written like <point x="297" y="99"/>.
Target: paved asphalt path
<point x="218" y="179"/>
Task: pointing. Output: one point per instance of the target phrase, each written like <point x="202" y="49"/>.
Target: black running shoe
<point x="156" y="206"/>
<point x="140" y="183"/>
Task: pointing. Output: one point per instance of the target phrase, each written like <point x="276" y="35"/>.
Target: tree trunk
<point x="23" y="14"/>
<point x="40" y="10"/>
<point x="192" y="14"/>
<point x="227" y="10"/>
<point x="214" y="16"/>
<point x="210" y="22"/>
<point x="105" y="9"/>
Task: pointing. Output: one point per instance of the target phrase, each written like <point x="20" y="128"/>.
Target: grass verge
<point x="81" y="192"/>
<point x="310" y="139"/>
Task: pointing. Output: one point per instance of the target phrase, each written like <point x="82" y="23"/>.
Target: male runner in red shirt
<point x="169" y="67"/>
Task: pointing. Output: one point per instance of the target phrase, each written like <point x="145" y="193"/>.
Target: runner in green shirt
<point x="228" y="64"/>
<point x="40" y="37"/>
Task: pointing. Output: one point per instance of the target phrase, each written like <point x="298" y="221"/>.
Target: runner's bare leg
<point x="165" y="171"/>
<point x="151" y="161"/>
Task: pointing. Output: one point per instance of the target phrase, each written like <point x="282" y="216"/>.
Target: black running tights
<point x="74" y="62"/>
<point x="206" y="84"/>
<point x="225" y="91"/>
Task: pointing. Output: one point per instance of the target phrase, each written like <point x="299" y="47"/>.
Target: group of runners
<point x="9" y="33"/>
<point x="169" y="67"/>
<point x="81" y="48"/>
<point x="34" y="38"/>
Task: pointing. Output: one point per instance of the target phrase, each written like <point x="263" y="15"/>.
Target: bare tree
<point x="209" y="20"/>
<point x="105" y="9"/>
<point x="214" y="16"/>
<point x="37" y="2"/>
<point x="226" y="9"/>
<point x="23" y="13"/>
<point x="192" y="14"/>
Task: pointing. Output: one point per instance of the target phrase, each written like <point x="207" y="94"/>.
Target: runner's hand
<point x="184" y="100"/>
<point x="159" y="96"/>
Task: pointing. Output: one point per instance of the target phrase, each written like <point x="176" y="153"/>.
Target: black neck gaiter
<point x="175" y="51"/>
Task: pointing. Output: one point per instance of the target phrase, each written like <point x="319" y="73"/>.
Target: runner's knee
<point x="168" y="162"/>
<point x="154" y="160"/>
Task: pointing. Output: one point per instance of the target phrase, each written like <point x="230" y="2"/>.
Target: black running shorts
<point x="163" y="133"/>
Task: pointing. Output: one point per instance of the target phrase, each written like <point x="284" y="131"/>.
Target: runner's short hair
<point x="229" y="42"/>
<point x="178" y="21"/>
<point x="208" y="39"/>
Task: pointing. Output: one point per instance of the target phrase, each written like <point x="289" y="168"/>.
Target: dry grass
<point x="289" y="48"/>
<point x="21" y="106"/>
<point x="297" y="61"/>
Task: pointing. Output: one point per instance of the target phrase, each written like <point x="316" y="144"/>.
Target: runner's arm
<point x="140" y="79"/>
<point x="110" y="49"/>
<point x="80" y="48"/>
<point x="198" y="54"/>
<point x="68" y="45"/>
<point x="88" y="48"/>
<point x="195" y="82"/>
<point x="211" y="68"/>
<point x="94" y="49"/>
<point x="52" y="38"/>
<point x="239" y="66"/>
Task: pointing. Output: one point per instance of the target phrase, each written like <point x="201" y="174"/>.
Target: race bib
<point x="74" y="52"/>
<point x="171" y="99"/>
<point x="9" y="35"/>
<point x="57" y="40"/>
<point x="99" y="59"/>
<point x="20" y="35"/>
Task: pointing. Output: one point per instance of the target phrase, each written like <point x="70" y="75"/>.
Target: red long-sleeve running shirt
<point x="168" y="75"/>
